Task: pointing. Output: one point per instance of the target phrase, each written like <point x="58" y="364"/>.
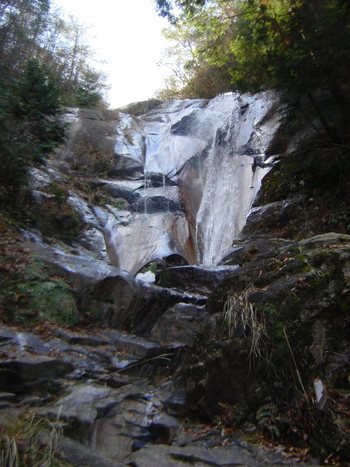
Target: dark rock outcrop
<point x="279" y="327"/>
<point x="198" y="279"/>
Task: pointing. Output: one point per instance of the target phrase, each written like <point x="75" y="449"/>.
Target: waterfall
<point x="145" y="186"/>
<point x="206" y="151"/>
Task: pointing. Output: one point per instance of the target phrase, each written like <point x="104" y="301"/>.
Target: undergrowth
<point x="30" y="442"/>
<point x="239" y="314"/>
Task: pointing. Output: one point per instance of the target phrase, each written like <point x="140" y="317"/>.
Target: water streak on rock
<point x="208" y="152"/>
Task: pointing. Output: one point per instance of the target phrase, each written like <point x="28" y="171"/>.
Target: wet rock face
<point x="155" y="204"/>
<point x="172" y="169"/>
<point x="262" y="218"/>
<point x="191" y="146"/>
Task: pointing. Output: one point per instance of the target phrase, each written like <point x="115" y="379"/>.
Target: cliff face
<point x="185" y="175"/>
<point x="257" y="342"/>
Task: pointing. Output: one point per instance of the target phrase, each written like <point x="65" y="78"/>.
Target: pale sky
<point x="127" y="35"/>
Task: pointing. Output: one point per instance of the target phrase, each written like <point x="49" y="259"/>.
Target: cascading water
<point x="195" y="161"/>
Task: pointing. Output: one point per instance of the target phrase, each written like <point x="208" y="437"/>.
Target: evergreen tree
<point x="30" y="126"/>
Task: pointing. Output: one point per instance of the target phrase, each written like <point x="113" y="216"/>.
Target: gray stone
<point x="34" y="400"/>
<point x="31" y="371"/>
<point x="119" y="191"/>
<point x="195" y="279"/>
<point x="39" y="197"/>
<point x="81" y="339"/>
<point x="330" y="238"/>
<point x="133" y="344"/>
<point x="156" y="180"/>
<point x="82" y="272"/>
<point x="178" y="324"/>
<point x="28" y="341"/>
<point x="91" y="133"/>
<point x="270" y="215"/>
<point x="93" y="240"/>
<point x="82" y="406"/>
<point x="185" y="126"/>
<point x="127" y="167"/>
<point x="41" y="178"/>
<point x="7" y="396"/>
<point x="260" y="247"/>
<point x="79" y="455"/>
<point x="122" y="362"/>
<point x="136" y="306"/>
<point x="5" y="405"/>
<point x="6" y="334"/>
<point x="83" y="209"/>
<point x="155" y="204"/>
<point x="122" y="217"/>
<point x="130" y="424"/>
<point x="91" y="114"/>
<point x="172" y="456"/>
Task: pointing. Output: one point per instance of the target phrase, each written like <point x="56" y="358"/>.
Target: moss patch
<point x="27" y="292"/>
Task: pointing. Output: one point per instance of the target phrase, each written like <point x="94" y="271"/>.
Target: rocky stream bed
<point x="113" y="395"/>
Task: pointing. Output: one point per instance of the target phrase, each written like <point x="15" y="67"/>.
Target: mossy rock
<point x="51" y="300"/>
<point x="33" y="295"/>
<point x="297" y="297"/>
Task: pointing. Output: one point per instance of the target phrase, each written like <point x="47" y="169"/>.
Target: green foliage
<point x="43" y="65"/>
<point x="118" y="203"/>
<point x="30" y="126"/>
<point x="32" y="29"/>
<point x="32" y="295"/>
<point x="268" y="420"/>
<point x="22" y="29"/>
<point x="150" y="267"/>
<point x="59" y="193"/>
<point x="251" y="45"/>
<point x="38" y="106"/>
<point x="52" y="300"/>
<point x="167" y="8"/>
<point x="28" y="293"/>
<point x="87" y="91"/>
<point x="340" y="221"/>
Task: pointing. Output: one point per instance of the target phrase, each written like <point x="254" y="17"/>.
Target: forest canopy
<point x="251" y="45"/>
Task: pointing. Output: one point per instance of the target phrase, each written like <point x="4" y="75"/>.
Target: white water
<point x="208" y="149"/>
